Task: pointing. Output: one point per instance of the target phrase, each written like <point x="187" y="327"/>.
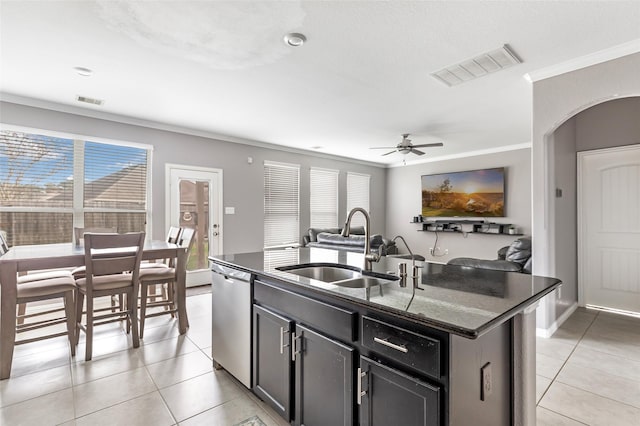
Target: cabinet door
<point x="391" y="397"/>
<point x="323" y="380"/>
<point x="272" y="359"/>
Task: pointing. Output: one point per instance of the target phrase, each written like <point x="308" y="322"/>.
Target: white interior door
<point x="609" y="228"/>
<point x="195" y="201"/>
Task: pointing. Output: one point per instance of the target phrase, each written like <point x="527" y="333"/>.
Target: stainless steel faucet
<point x="368" y="256"/>
<point x="415" y="276"/>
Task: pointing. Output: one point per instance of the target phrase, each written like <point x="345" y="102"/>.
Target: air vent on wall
<point x="478" y="66"/>
<point x="87" y="100"/>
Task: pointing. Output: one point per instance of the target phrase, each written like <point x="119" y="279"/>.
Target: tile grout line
<point x="580" y="389"/>
<point x="566" y="417"/>
<point x="568" y="357"/>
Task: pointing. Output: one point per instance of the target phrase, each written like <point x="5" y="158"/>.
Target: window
<point x="324" y="198"/>
<point x="281" y="204"/>
<point x="115" y="186"/>
<point x="50" y="184"/>
<point x="357" y="195"/>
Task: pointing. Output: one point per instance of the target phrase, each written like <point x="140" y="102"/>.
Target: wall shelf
<point x="466" y="227"/>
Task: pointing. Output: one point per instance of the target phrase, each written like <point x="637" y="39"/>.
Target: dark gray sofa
<point x="331" y="238"/>
<point x="515" y="257"/>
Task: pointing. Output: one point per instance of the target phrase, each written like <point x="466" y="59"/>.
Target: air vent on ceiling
<point x="478" y="66"/>
<point x="89" y="100"/>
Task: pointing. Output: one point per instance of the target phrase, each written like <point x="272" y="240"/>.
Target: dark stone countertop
<point x="464" y="301"/>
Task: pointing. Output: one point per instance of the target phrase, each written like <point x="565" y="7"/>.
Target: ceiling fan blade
<point x="417" y="151"/>
<point x="390" y="152"/>
<point x="382" y="147"/>
<point x="427" y="145"/>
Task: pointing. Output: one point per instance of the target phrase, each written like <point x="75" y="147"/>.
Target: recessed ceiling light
<point x="295" y="39"/>
<point x="85" y="72"/>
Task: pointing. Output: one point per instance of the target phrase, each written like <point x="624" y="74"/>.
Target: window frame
<point x="77" y="210"/>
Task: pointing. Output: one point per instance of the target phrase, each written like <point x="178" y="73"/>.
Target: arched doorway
<point x="605" y="124"/>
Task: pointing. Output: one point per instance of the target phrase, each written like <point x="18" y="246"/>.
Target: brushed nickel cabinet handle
<point x="282" y="344"/>
<point x="360" y="393"/>
<point x="386" y="342"/>
<point x="295" y="351"/>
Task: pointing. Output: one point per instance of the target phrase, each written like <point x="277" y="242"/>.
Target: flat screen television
<point x="473" y="193"/>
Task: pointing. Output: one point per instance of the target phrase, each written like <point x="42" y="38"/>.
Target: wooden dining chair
<point x="39" y="287"/>
<point x="173" y="237"/>
<point x="166" y="277"/>
<point x="31" y="277"/>
<point x="78" y="233"/>
<point x="80" y="271"/>
<point x="113" y="266"/>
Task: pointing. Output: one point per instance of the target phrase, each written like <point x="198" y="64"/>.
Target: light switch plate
<point x="229" y="210"/>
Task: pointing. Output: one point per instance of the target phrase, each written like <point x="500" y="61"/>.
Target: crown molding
<point x="594" y="58"/>
<point x="495" y="150"/>
<point x="101" y="115"/>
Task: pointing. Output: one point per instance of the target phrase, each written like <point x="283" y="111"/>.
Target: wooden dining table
<point x="67" y="255"/>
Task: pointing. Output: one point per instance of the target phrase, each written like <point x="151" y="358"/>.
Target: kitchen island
<point x="459" y="349"/>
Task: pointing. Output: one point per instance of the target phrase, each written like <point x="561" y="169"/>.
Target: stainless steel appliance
<point x="231" y="321"/>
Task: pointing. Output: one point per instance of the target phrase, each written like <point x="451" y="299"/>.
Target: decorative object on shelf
<point x="469" y="227"/>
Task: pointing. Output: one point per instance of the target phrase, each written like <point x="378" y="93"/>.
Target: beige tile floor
<point x="169" y="380"/>
<point x="587" y="373"/>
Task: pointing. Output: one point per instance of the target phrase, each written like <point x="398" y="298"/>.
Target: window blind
<point x="36" y="188"/>
<point x="35" y="170"/>
<point x="115" y="176"/>
<point x="40" y="175"/>
<point x="323" y="198"/>
<point x="281" y="204"/>
<point x="357" y="195"/>
<point x="115" y="186"/>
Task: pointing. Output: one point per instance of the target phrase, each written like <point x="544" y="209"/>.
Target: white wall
<point x="564" y="225"/>
<point x="609" y="124"/>
<point x="404" y="202"/>
<point x="555" y="100"/>
<point x="243" y="182"/>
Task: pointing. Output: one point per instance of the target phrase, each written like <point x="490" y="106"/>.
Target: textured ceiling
<point x="361" y="80"/>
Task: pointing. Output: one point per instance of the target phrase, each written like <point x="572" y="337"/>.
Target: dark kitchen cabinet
<point x="390" y="397"/>
<point x="272" y="366"/>
<point x="323" y="384"/>
<point x="323" y="380"/>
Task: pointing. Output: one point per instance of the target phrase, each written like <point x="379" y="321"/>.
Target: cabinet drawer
<point x="411" y="349"/>
<point x="337" y="322"/>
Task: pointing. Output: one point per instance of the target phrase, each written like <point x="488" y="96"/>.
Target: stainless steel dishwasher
<point x="231" y="321"/>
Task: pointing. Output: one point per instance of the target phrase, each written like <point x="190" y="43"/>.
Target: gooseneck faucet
<point x="368" y="256"/>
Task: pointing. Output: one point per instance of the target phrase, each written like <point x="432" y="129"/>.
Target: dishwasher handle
<point x="230" y="273"/>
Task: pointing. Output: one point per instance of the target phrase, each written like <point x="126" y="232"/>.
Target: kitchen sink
<point x="327" y="274"/>
<point x="339" y="275"/>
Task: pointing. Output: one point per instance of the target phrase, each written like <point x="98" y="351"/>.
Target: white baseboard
<point x="548" y="332"/>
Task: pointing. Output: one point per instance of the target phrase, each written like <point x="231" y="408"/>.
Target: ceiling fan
<point x="406" y="147"/>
